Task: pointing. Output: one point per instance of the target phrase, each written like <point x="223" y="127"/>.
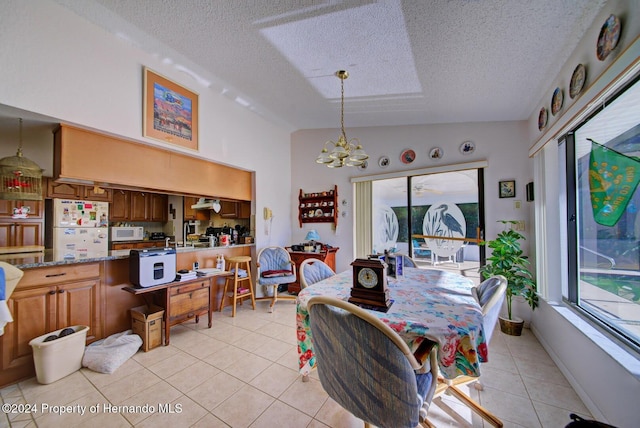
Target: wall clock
<point x="370" y="284"/>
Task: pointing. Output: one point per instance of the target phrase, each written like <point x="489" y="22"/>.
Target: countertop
<point x="47" y="257"/>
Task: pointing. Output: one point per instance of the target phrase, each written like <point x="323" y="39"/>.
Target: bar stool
<point x="239" y="293"/>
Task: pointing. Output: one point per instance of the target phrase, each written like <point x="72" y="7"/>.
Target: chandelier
<point x="344" y="152"/>
<point x="20" y="178"/>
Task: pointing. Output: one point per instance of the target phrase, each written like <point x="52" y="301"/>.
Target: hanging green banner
<point x="613" y="178"/>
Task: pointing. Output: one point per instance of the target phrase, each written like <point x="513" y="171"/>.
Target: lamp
<point x="312" y="237"/>
<point x="344" y="152"/>
<point x="20" y="178"/>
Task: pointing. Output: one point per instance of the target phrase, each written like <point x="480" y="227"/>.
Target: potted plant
<point x="506" y="259"/>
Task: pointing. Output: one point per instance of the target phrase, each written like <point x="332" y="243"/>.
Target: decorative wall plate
<point x="542" y="119"/>
<point x="436" y="153"/>
<point x="578" y="78"/>
<point x="608" y="38"/>
<point x="467" y="147"/>
<point x="383" y="162"/>
<point x="556" y="101"/>
<point x="407" y="156"/>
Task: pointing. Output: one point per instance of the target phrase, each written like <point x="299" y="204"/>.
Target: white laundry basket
<point x="61" y="357"/>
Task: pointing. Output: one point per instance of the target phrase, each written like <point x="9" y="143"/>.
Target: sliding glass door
<point x="435" y="218"/>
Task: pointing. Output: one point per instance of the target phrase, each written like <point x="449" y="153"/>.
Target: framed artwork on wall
<point x="170" y="111"/>
<point x="507" y="189"/>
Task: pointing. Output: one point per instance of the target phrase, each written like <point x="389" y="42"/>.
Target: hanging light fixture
<point x="344" y="152"/>
<point x="20" y="178"/>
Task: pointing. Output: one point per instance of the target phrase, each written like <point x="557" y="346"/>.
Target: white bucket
<point x="60" y="357"/>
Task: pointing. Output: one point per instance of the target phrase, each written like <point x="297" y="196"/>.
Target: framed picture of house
<point x="507" y="189"/>
<point x="170" y="111"/>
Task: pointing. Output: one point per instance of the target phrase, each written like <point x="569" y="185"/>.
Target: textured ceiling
<point x="410" y="62"/>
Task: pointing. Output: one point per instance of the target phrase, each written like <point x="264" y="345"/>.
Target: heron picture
<point x="443" y="221"/>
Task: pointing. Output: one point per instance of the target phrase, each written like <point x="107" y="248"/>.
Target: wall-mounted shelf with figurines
<point x="320" y="207"/>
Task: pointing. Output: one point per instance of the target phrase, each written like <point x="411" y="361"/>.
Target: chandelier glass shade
<point x="343" y="152"/>
<point x="20" y="178"/>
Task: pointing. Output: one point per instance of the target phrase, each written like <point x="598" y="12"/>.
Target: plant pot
<point x="512" y="327"/>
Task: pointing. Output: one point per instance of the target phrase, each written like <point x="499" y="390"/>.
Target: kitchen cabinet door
<point x="33" y="314"/>
<point x="64" y="190"/>
<point x="19" y="234"/>
<point x="191" y="214"/>
<point x="139" y="210"/>
<point x="244" y="210"/>
<point x="159" y="207"/>
<point x="35" y="208"/>
<point x="228" y="209"/>
<point x="77" y="304"/>
<point x="119" y="208"/>
<point x="98" y="194"/>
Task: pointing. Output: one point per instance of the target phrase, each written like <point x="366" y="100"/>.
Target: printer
<point x="152" y="266"/>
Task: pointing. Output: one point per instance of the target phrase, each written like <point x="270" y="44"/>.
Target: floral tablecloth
<point x="427" y="304"/>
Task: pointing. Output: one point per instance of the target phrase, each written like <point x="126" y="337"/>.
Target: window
<point x="603" y="201"/>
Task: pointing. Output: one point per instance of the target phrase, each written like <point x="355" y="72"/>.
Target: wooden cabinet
<point x="21" y="232"/>
<point x="244" y="209"/>
<point x="64" y="190"/>
<point x="120" y="207"/>
<point x="77" y="191"/>
<point x="138" y="206"/>
<point x="327" y="255"/>
<point x="139" y="210"/>
<point x="36" y="208"/>
<point x="321" y="207"/>
<point x="48" y="299"/>
<point x="98" y="194"/>
<point x="191" y="214"/>
<point x="228" y="209"/>
<point x="189" y="301"/>
<point x="158" y="207"/>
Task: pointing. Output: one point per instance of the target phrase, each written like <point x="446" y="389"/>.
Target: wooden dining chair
<point x="490" y="295"/>
<point x="367" y="368"/>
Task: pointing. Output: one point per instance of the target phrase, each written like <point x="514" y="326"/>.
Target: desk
<point x="182" y="300"/>
<point x="428" y="304"/>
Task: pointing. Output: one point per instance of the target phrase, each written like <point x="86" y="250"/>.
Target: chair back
<point x="408" y="261"/>
<point x="312" y="271"/>
<point x="274" y="266"/>
<point x="366" y="367"/>
<point x="490" y="294"/>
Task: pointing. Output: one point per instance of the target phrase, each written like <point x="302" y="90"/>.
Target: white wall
<point x="503" y="145"/>
<point x="59" y="65"/>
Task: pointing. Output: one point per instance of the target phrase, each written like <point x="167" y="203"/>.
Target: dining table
<point x="427" y="305"/>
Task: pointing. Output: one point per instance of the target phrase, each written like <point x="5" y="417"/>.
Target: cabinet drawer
<point x="59" y="274"/>
<point x="187" y="288"/>
<point x="189" y="304"/>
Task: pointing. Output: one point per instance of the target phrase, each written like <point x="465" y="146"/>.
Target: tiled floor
<point x="242" y="373"/>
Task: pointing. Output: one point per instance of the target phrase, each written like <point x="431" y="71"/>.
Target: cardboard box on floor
<point x="146" y="322"/>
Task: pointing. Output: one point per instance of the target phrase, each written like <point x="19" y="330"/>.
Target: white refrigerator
<point x="80" y="229"/>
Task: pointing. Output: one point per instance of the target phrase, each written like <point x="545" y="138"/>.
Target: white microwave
<point x="133" y="233"/>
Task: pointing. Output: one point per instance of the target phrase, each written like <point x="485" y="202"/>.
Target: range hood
<point x="207" y="204"/>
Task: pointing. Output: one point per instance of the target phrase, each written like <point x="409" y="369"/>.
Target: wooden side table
<point x="182" y="300"/>
<point x="327" y="255"/>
